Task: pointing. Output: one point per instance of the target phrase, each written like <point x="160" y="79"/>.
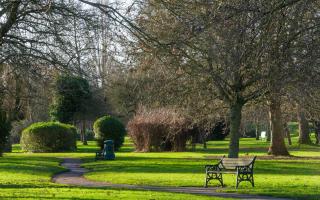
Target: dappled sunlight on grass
<point x="28" y="176"/>
<point x="279" y="176"/>
<point x="296" y="176"/>
<point x="75" y="193"/>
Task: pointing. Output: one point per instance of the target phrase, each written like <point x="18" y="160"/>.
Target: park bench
<point x="242" y="167"/>
<point x="100" y="155"/>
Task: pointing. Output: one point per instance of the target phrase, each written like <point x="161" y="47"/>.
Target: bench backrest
<point x="231" y="163"/>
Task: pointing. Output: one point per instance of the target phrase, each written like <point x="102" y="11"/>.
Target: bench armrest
<point x="207" y="166"/>
<point x="244" y="169"/>
<point x="215" y="167"/>
<point x="243" y="166"/>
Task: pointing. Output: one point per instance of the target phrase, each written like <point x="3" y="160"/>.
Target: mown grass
<point x="28" y="176"/>
<point x="92" y="193"/>
<point x="297" y="177"/>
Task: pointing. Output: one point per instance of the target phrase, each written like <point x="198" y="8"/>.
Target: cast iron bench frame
<point x="99" y="155"/>
<point x="242" y="167"/>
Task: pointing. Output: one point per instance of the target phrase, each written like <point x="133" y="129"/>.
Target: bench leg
<point x="213" y="176"/>
<point x="238" y="181"/>
<point x="244" y="177"/>
<point x="206" y="182"/>
<point x="219" y="177"/>
<point x="240" y="177"/>
<point x="207" y="179"/>
<point x="252" y="181"/>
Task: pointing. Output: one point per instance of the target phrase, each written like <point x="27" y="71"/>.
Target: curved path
<point x="75" y="177"/>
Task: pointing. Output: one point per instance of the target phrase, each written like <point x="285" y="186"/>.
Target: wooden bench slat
<point x="223" y="172"/>
<point x="231" y="163"/>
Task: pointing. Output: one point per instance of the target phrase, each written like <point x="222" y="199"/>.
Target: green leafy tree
<point x="71" y="94"/>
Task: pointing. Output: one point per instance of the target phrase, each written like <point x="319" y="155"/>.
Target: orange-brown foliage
<point x="160" y="129"/>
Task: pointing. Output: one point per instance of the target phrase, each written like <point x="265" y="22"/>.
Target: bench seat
<point x="223" y="172"/>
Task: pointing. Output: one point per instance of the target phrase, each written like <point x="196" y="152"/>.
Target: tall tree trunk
<point x="204" y="140"/>
<point x="269" y="131"/>
<point x="277" y="145"/>
<point x="304" y="133"/>
<point x="235" y="121"/>
<point x="317" y="131"/>
<point x="15" y="114"/>
<point x="257" y="132"/>
<point x="204" y="145"/>
<point x="287" y="133"/>
<point x="83" y="133"/>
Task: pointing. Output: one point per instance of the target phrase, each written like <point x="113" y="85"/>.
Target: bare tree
<point x="242" y="50"/>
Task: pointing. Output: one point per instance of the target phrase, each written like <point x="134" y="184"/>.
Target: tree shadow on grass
<point x="139" y="165"/>
<point x="32" y="185"/>
<point x="87" y="150"/>
<point x="29" y="165"/>
<point x="62" y="191"/>
<point x="304" y="168"/>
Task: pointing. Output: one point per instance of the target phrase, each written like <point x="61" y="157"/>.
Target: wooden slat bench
<point x="242" y="167"/>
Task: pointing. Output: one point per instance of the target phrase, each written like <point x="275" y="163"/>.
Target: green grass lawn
<point x="297" y="177"/>
<point x="28" y="176"/>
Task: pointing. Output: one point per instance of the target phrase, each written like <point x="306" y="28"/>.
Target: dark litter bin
<point x="107" y="152"/>
<point x="108" y="148"/>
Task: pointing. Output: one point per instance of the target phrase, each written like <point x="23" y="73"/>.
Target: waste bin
<point x="108" y="148"/>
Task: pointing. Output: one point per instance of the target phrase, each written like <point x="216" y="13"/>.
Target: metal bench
<point x="242" y="167"/>
<point x="100" y="155"/>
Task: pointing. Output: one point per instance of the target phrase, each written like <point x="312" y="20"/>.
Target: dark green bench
<point x="242" y="167"/>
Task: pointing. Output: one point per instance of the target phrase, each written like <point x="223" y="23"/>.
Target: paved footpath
<point x="75" y="177"/>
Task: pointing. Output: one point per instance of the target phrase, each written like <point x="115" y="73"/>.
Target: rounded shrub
<point x="109" y="128"/>
<point x="49" y="137"/>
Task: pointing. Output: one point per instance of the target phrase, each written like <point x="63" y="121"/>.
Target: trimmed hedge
<point x="109" y="128"/>
<point x="49" y="137"/>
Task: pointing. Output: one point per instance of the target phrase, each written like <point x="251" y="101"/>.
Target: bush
<point x="219" y="131"/>
<point x="159" y="130"/>
<point x="109" y="128"/>
<point x="49" y="137"/>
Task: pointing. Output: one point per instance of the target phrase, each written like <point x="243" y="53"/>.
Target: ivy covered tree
<point x="5" y="128"/>
<point x="71" y="93"/>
